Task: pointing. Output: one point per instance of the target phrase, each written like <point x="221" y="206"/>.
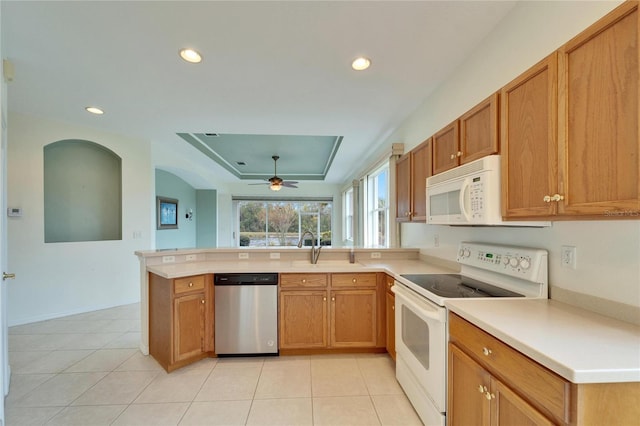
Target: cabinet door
<point x="468" y="385"/>
<point x="303" y="319"/>
<point x="188" y="331"/>
<point x="599" y="145"/>
<point x="479" y="130"/>
<point x="420" y="171"/>
<point x="353" y="318"/>
<point x="529" y="141"/>
<point x="508" y="409"/>
<point x="391" y="324"/>
<point x="445" y="148"/>
<point x="403" y="188"/>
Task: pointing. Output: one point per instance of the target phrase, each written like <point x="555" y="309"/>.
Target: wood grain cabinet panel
<point x="446" y="150"/>
<point x="353" y="318"/>
<point x="412" y="171"/>
<point x="304" y="280"/>
<point x="479" y="130"/>
<point x="390" y="305"/>
<point x="181" y="319"/>
<point x="303" y="319"/>
<point x="570" y="138"/>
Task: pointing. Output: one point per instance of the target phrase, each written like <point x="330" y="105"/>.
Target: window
<point x="347" y="217"/>
<point x="263" y="223"/>
<point x="377" y="217"/>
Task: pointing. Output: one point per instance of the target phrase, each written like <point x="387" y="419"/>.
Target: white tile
<point x="284" y="380"/>
<point x="140" y="362"/>
<point x="217" y="413"/>
<point x="53" y="362"/>
<point x="337" y="377"/>
<point x="173" y="387"/>
<point x="126" y="340"/>
<point x="60" y="390"/>
<point x="230" y="384"/>
<point x="350" y="410"/>
<point x="281" y="412"/>
<point x="87" y="416"/>
<point x="240" y="362"/>
<point x="86" y="340"/>
<point x="101" y="360"/>
<point x="395" y="410"/>
<point x="21" y="384"/>
<point x="38" y="342"/>
<point x="121" y="387"/>
<point x="379" y="373"/>
<point x="28" y="416"/>
<point x="168" y="414"/>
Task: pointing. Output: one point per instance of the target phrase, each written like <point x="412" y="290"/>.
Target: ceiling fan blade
<point x="289" y="184"/>
<point x="261" y="183"/>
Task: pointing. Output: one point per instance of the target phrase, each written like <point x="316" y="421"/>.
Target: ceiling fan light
<point x="275" y="187"/>
<point x="361" y="63"/>
<point x="190" y="55"/>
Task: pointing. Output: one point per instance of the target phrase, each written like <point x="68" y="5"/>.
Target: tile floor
<point x="87" y="370"/>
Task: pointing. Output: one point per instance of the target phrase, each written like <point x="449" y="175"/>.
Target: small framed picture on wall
<point x="166" y="213"/>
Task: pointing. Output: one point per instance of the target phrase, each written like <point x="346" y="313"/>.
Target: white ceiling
<point x="278" y="68"/>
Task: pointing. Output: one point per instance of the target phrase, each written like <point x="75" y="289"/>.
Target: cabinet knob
<point x="190" y="284"/>
<point x="389" y="285"/>
<point x="486" y="351"/>
<point x="489" y="396"/>
<point x="453" y="156"/>
<point x="324" y="298"/>
<point x="393" y="308"/>
<point x="304" y="281"/>
<point x="202" y="301"/>
<point x="482" y="389"/>
<point x="550" y="198"/>
<point x="459" y="154"/>
<point x="354" y="280"/>
<point x="333" y="299"/>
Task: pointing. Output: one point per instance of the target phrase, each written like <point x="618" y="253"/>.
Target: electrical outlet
<point x="168" y="259"/>
<point x="376" y="255"/>
<point x="274" y="255"/>
<point x="191" y="257"/>
<point x="568" y="257"/>
<point x="243" y="255"/>
<point x="436" y="240"/>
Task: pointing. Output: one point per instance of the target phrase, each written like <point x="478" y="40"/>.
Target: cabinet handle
<point x="486" y="351"/>
<point x="190" y="284"/>
<point x="555" y="197"/>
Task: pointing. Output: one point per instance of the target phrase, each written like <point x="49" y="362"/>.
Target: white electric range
<point x="486" y="270"/>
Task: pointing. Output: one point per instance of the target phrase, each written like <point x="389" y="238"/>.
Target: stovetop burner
<point x="457" y="286"/>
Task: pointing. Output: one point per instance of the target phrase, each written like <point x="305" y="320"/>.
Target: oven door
<point x="421" y="344"/>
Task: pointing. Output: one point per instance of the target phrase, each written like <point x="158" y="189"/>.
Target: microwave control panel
<point x="476" y="198"/>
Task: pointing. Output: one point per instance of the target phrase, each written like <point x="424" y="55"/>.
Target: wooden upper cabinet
<point x="403" y="188"/>
<point x="412" y="171"/>
<point x="445" y="148"/>
<point x="598" y="102"/>
<point x="420" y="171"/>
<point x="529" y="141"/>
<point x="472" y="136"/>
<point x="479" y="130"/>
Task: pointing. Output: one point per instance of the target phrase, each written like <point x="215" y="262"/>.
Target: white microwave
<point x="469" y="195"/>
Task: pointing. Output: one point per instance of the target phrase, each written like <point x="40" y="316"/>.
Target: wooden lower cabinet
<point x="331" y="312"/>
<point x="180" y="319"/>
<point x="303" y="319"/>
<point x="390" y="299"/>
<point x="491" y="383"/>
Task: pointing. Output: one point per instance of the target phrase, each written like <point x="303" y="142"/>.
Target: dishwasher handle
<point x="246" y="279"/>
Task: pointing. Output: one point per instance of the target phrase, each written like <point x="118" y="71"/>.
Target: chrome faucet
<point x="315" y="253"/>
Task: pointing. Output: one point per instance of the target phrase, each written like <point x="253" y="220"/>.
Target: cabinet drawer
<point x="187" y="284"/>
<point x="304" y="280"/>
<point x="547" y="391"/>
<point x="353" y="280"/>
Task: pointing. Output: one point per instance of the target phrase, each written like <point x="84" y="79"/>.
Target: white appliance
<point x="469" y="195"/>
<point x="487" y="270"/>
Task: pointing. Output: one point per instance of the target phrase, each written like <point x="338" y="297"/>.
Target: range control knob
<point x="461" y="253"/>
<point x="525" y="263"/>
<point x="466" y="253"/>
<point x="506" y="260"/>
<point x="513" y="262"/>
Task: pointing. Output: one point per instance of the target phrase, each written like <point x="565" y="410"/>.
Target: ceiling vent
<point x="212" y="135"/>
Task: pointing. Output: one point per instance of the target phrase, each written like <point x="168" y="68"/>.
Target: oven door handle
<point x="419" y="305"/>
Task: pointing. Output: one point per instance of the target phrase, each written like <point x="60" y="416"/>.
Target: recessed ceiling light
<point x="190" y="55"/>
<point x="361" y="63"/>
<point x="94" y="110"/>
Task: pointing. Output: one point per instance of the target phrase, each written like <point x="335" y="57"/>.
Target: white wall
<point x="62" y="278"/>
<point x="608" y="252"/>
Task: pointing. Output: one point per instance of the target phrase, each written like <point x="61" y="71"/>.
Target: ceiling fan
<point x="275" y="183"/>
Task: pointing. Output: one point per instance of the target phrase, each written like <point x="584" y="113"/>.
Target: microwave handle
<point x="464" y="190"/>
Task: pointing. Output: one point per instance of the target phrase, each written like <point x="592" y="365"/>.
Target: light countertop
<point x="579" y="345"/>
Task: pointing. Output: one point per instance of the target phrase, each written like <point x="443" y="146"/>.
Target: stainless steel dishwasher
<point x="246" y="314"/>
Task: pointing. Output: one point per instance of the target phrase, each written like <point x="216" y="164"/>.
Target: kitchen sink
<point x="324" y="264"/>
